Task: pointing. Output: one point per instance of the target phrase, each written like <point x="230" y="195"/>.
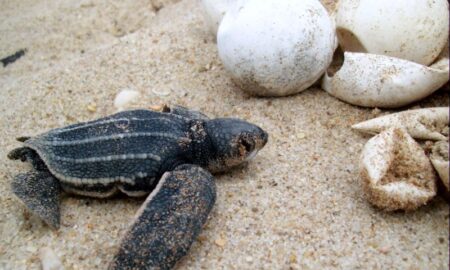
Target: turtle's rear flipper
<point x="169" y="220"/>
<point x="19" y="153"/>
<point x="40" y="192"/>
<point x="28" y="154"/>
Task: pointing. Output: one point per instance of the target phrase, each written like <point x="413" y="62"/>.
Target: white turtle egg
<point x="125" y="98"/>
<point x="214" y="12"/>
<point x="414" y="30"/>
<point x="276" y="48"/>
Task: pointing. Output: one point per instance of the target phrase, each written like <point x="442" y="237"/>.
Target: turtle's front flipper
<point x="185" y="112"/>
<point x="40" y="191"/>
<point x="169" y="220"/>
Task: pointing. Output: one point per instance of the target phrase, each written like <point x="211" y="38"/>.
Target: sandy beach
<point x="298" y="205"/>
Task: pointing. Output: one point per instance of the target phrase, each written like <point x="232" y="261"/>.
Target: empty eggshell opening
<point x="396" y="172"/>
<point x="353" y="44"/>
<point x="414" y="30"/>
<point x="371" y="80"/>
<point x="336" y="63"/>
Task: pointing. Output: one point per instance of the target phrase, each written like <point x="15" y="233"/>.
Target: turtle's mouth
<point x="252" y="155"/>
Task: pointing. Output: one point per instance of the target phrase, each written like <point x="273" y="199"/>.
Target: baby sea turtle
<point x="169" y="155"/>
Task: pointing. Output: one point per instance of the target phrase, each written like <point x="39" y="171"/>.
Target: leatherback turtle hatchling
<point x="167" y="154"/>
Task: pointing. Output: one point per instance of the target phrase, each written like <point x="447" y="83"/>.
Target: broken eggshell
<point x="396" y="172"/>
<point x="372" y="80"/>
<point x="272" y="48"/>
<point x="214" y="11"/>
<point x="439" y="159"/>
<point x="424" y="124"/>
<point x="414" y="30"/>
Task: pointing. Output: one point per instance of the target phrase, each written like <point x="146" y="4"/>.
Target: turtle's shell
<point x="126" y="148"/>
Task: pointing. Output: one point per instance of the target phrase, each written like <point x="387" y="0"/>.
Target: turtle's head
<point x="234" y="141"/>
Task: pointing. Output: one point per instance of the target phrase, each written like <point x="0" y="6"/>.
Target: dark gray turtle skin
<point x="166" y="155"/>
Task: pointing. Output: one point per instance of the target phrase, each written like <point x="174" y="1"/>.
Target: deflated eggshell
<point x="414" y="30"/>
<point x="396" y="172"/>
<point x="425" y="124"/>
<point x="371" y="80"/>
<point x="214" y="12"/>
<point x="276" y="48"/>
<point x="439" y="159"/>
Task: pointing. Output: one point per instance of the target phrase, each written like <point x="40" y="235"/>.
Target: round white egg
<point x="414" y="30"/>
<point x="276" y="48"/>
<point x="214" y="11"/>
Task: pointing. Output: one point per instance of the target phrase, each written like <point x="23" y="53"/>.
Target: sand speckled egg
<point x="414" y="30"/>
<point x="276" y="48"/>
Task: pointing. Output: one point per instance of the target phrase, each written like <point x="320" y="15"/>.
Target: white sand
<point x="298" y="205"/>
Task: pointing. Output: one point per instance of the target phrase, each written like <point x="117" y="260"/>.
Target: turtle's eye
<point x="248" y="145"/>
